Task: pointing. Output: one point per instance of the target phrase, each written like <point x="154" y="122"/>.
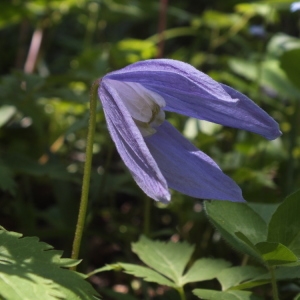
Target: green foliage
<point x="274" y="241"/>
<point x="230" y="295"/>
<point x="30" y="269"/>
<point x="290" y="64"/>
<point x="167" y="265"/>
<point x="43" y="120"/>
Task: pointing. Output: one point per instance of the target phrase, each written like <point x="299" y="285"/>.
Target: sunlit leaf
<point x="227" y="295"/>
<point x="31" y="270"/>
<point x="234" y="276"/>
<point x="275" y="254"/>
<point x="6" y="112"/>
<point x="169" y="259"/>
<point x="147" y="274"/>
<point x="205" y="269"/>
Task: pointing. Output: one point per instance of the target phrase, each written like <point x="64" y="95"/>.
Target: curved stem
<point x="86" y="172"/>
<point x="274" y="283"/>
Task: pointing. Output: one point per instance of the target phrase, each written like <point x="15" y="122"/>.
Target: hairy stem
<point x="274" y="283"/>
<point x="86" y="173"/>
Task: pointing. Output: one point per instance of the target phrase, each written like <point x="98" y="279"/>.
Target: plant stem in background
<point x="274" y="283"/>
<point x="293" y="134"/>
<point x="34" y="51"/>
<point x="87" y="172"/>
<point x="161" y="27"/>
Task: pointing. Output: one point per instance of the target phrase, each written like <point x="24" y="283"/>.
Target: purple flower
<point x="158" y="156"/>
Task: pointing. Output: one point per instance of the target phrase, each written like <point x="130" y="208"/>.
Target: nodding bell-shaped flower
<point x="158" y="156"/>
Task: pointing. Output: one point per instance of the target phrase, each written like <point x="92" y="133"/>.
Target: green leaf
<point x="6" y="112"/>
<point x="290" y="63"/>
<point x="269" y="73"/>
<point x="285" y="223"/>
<point x="147" y="274"/>
<point x="257" y="9"/>
<point x="7" y="182"/>
<point x="281" y="273"/>
<point x="265" y="210"/>
<point x="205" y="269"/>
<point x="271" y="254"/>
<point x="227" y="295"/>
<point x="280" y="43"/>
<point x="133" y="50"/>
<point x="216" y="19"/>
<point x="232" y="277"/>
<point x="169" y="259"/>
<point x="230" y="217"/>
<point x="31" y="270"/>
<point x="275" y="254"/>
<point x="297" y="297"/>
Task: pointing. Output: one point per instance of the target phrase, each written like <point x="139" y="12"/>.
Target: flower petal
<point x="131" y="146"/>
<point x="190" y="92"/>
<point x="187" y="169"/>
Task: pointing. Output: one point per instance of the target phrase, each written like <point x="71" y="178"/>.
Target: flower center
<point x="143" y="105"/>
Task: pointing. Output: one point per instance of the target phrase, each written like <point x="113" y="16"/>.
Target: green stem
<point x="293" y="134"/>
<point x="274" y="283"/>
<point x="181" y="293"/>
<point x="86" y="172"/>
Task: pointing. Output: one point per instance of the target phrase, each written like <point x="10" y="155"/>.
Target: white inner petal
<point x="143" y="105"/>
<point x="139" y="101"/>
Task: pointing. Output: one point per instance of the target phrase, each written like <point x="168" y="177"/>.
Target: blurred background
<point x="51" y="51"/>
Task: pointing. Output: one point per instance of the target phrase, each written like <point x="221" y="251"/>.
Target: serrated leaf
<point x="169" y="259"/>
<point x="232" y="277"/>
<point x="204" y="269"/>
<point x="147" y="274"/>
<point x="285" y="223"/>
<point x="230" y="217"/>
<point x="139" y="271"/>
<point x="227" y="295"/>
<point x="31" y="270"/>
